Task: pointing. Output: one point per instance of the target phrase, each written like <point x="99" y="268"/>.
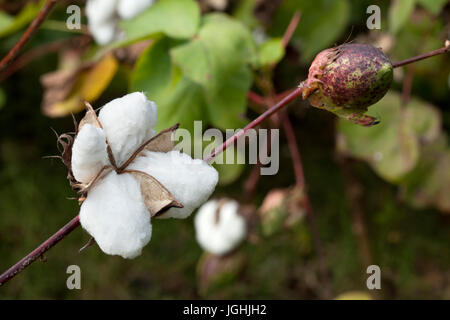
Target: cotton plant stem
<point x="40" y="51"/>
<point x="277" y="107"/>
<point x="355" y="195"/>
<point x="39" y="251"/>
<point x="75" y="222"/>
<point x="294" y="149"/>
<point x="291" y="28"/>
<point x="32" y="28"/>
<point x="442" y="50"/>
<point x="301" y="183"/>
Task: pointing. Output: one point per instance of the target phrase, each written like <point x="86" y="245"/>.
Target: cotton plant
<point x="219" y="226"/>
<point x="128" y="175"/>
<point x="104" y="15"/>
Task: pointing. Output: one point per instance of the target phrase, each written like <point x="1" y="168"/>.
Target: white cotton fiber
<point x="114" y="214"/>
<point x="101" y="11"/>
<point x="103" y="16"/>
<point x="104" y="33"/>
<point x="128" y="9"/>
<point x="89" y="154"/>
<point x="223" y="235"/>
<point x="191" y="181"/>
<point x="128" y="122"/>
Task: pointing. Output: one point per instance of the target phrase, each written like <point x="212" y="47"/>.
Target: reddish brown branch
<point x="291" y="28"/>
<point x="301" y="183"/>
<point x="256" y="98"/>
<point x="294" y="150"/>
<point x="355" y="195"/>
<point x="39" y="251"/>
<point x="32" y="28"/>
<point x="40" y="51"/>
<point x="277" y="107"/>
<point x="423" y="56"/>
<point x="64" y="231"/>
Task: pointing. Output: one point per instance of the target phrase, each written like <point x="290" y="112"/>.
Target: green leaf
<point x="178" y="19"/>
<point x="271" y="52"/>
<point x="222" y="46"/>
<point x="322" y="22"/>
<point x="179" y="99"/>
<point x="195" y="81"/>
<point x="9" y="24"/>
<point x="434" y="6"/>
<point x="2" y="98"/>
<point x="392" y="147"/>
<point x="218" y="59"/>
<point x="245" y="13"/>
<point x="5" y="20"/>
<point x="429" y="183"/>
<point x="399" y="13"/>
<point x="227" y="106"/>
<point x="154" y="72"/>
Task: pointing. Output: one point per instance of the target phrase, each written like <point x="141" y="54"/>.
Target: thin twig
<point x="32" y="28"/>
<point x="291" y="28"/>
<point x="301" y="183"/>
<point x="294" y="150"/>
<point x="407" y="85"/>
<point x="74" y="223"/>
<point x="40" y="51"/>
<point x="442" y="50"/>
<point x="39" y="251"/>
<point x="277" y="107"/>
<point x="355" y="195"/>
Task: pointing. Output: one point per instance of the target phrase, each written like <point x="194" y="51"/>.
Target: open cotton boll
<point x="104" y="32"/>
<point x="128" y="122"/>
<point x="128" y="9"/>
<point x="101" y="11"/>
<point x="191" y="181"/>
<point x="223" y="235"/>
<point x="114" y="213"/>
<point x="89" y="154"/>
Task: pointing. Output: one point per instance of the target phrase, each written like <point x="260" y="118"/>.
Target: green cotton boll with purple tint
<point x="347" y="79"/>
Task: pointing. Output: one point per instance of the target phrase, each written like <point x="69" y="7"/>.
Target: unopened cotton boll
<point x="128" y="122"/>
<point x="89" y="154"/>
<point x="219" y="227"/>
<point x="128" y="9"/>
<point x="191" y="181"/>
<point x="114" y="213"/>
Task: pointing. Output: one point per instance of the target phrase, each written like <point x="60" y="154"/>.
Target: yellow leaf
<point x="354" y="295"/>
<point x="89" y="85"/>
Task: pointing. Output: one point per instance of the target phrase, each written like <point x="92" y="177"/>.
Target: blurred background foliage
<point x="380" y="194"/>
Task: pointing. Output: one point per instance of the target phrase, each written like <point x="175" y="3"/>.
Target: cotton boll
<point x="104" y="32"/>
<point x="114" y="213"/>
<point x="191" y="181"/>
<point x="128" y="122"/>
<point x="128" y="9"/>
<point x="89" y="154"/>
<point x="223" y="235"/>
<point x="101" y="11"/>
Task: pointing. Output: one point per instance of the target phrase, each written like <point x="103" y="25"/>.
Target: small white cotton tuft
<point x="128" y="122"/>
<point x="114" y="213"/>
<point x="219" y="227"/>
<point x="104" y="33"/>
<point x="89" y="154"/>
<point x="101" y="11"/>
<point x="191" y="181"/>
<point x="128" y="9"/>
